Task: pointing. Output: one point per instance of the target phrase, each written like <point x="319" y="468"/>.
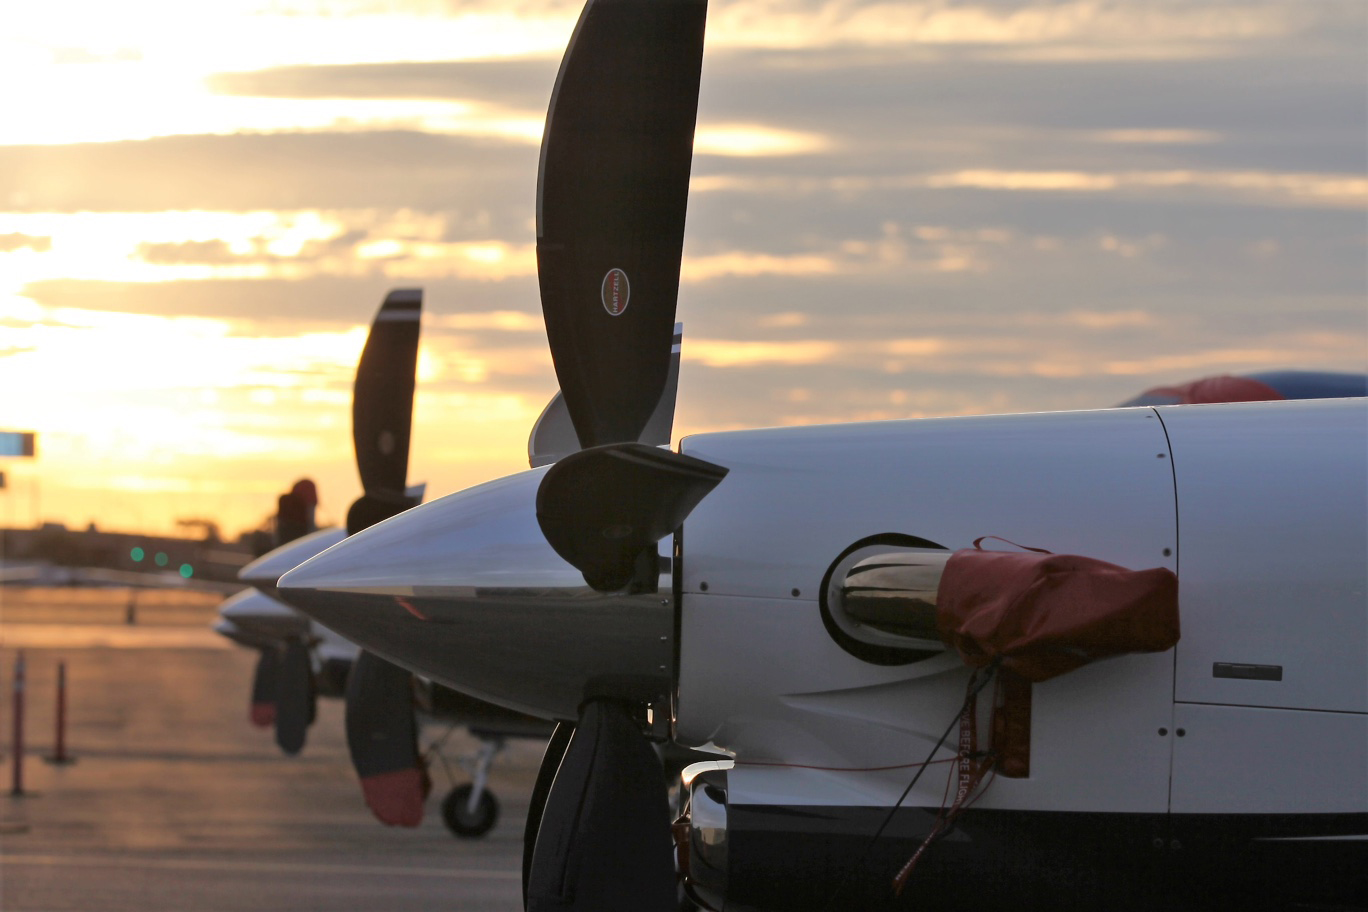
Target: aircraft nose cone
<point x="226" y="628"/>
<point x="260" y="616"/>
<point x="265" y="570"/>
<point x="465" y="590"/>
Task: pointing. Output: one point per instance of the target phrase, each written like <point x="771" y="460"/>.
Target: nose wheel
<point x="470" y="814"/>
<point x="470" y="810"/>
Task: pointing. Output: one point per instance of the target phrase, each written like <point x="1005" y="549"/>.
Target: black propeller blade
<point x="382" y="409"/>
<point x="604" y="842"/>
<point x="611" y="197"/>
<point x="382" y="738"/>
<point x="382" y="731"/>
<point x="295" y="697"/>
<point x="553" y="435"/>
<point x="659" y="429"/>
<point x="382" y="406"/>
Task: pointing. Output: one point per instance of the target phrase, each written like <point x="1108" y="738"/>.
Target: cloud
<point x="1155" y="136"/>
<point x="725" y="353"/>
<point x="1066" y="30"/>
<point x="520" y="82"/>
<point x="755" y="141"/>
<point x="17" y="241"/>
<point x="281" y="171"/>
<point x="500" y="320"/>
<point x="79" y="55"/>
<point x="1338" y="191"/>
<point x="1260" y="188"/>
<point x="208" y="252"/>
<point x="741" y="263"/>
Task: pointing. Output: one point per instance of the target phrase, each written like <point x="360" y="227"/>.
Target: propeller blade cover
<point x="604" y="843"/>
<point x="265" y="684"/>
<point x="1261" y="387"/>
<point x="382" y="738"/>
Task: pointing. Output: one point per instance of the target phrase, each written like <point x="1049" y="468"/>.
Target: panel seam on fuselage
<point x="1314" y="709"/>
<point x="1177" y="568"/>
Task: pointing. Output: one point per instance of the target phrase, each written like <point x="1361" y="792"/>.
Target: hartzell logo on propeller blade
<point x="615" y="292"/>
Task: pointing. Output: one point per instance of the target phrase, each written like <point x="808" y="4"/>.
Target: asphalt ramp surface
<point x="176" y="803"/>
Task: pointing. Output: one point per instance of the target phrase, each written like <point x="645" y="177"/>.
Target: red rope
<point x="972" y="766"/>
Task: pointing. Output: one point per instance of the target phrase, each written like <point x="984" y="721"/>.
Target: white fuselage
<point x="1170" y="771"/>
<point x="1260" y="509"/>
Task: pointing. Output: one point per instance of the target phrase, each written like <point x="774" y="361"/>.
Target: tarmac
<point x="176" y="803"/>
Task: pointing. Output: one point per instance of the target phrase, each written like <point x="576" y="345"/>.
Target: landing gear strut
<point x="471" y="810"/>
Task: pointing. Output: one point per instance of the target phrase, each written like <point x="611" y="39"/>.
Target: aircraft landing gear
<point x="471" y="810"/>
<point x="467" y="814"/>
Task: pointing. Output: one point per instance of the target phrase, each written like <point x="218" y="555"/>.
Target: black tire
<point x="458" y="817"/>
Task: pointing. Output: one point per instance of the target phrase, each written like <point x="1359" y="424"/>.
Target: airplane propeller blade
<point x="382" y="738"/>
<point x="553" y="435"/>
<point x="382" y="409"/>
<point x="382" y="731"/>
<point x="611" y="197"/>
<point x="612" y="191"/>
<point x="382" y="403"/>
<point x="295" y="697"/>
<point x="604" y="841"/>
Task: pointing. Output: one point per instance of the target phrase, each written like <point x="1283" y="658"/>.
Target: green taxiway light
<point x="160" y="558"/>
<point x="187" y="571"/>
<point x="137" y="554"/>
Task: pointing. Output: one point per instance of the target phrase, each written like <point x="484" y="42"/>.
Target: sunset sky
<point x="898" y="209"/>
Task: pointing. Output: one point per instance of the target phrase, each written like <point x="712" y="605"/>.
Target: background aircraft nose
<point x="260" y="615"/>
<point x="265" y="570"/>
<point x="466" y="590"/>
